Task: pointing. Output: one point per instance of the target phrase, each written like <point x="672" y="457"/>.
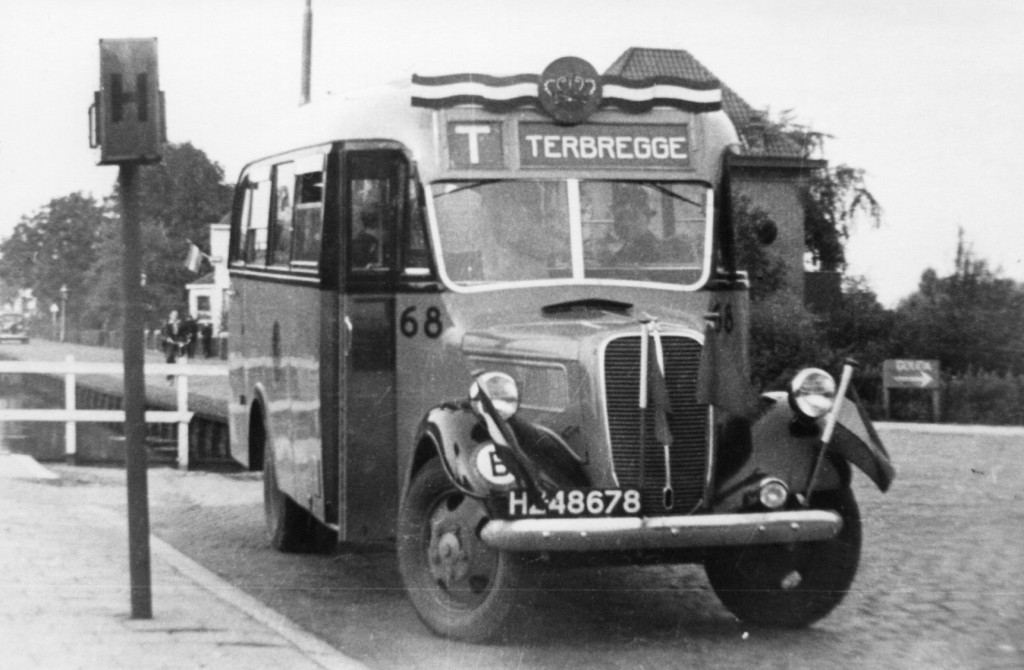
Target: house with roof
<point x="209" y="293"/>
<point x="770" y="170"/>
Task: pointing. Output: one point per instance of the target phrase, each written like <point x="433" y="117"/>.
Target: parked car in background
<point x="13" y="328"/>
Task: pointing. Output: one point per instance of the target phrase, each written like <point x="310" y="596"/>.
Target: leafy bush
<point x="783" y="339"/>
<point x="984" y="397"/>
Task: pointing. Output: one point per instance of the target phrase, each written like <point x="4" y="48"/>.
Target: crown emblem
<point x="569" y="90"/>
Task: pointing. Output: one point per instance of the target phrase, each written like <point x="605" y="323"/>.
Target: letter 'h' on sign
<point x="129" y="104"/>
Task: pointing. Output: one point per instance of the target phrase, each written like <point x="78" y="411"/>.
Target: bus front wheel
<point x="460" y="587"/>
<point x="790" y="586"/>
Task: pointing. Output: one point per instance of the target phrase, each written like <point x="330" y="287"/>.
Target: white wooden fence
<point x="69" y="415"/>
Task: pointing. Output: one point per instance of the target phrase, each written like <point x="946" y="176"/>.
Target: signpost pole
<point x="135" y="401"/>
<point x="129" y="129"/>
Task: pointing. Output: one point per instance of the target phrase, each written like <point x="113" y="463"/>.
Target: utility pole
<point x="307" y="54"/>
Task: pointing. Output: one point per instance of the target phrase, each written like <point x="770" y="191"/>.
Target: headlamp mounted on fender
<point x="812" y="393"/>
<point x="502" y="391"/>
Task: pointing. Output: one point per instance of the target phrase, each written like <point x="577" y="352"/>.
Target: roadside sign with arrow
<point x="910" y="374"/>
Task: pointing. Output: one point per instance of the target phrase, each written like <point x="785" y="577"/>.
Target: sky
<point x="926" y="96"/>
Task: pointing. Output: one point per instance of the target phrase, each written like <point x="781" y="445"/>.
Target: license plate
<point x="575" y="503"/>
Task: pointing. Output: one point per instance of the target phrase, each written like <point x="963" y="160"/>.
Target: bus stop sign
<point x="129" y="104"/>
<point x="910" y="374"/>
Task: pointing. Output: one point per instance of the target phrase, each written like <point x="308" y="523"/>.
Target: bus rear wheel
<point x="461" y="588"/>
<point x="793" y="585"/>
<point x="291" y="528"/>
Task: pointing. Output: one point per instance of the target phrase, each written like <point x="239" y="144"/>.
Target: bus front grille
<point x="688" y="421"/>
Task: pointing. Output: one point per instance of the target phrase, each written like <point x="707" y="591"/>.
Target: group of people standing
<point x="180" y="337"/>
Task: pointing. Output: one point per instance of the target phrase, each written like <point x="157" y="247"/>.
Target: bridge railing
<point x="70" y="369"/>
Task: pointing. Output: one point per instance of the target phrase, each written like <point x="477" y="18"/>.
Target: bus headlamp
<point x="812" y="393"/>
<point x="502" y="391"/>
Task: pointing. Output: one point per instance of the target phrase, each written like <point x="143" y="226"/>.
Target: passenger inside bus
<point x="365" y="243"/>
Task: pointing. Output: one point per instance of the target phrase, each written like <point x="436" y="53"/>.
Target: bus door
<point x="373" y="202"/>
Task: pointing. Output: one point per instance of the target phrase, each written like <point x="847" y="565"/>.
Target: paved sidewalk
<point x="949" y="428"/>
<point x="64" y="594"/>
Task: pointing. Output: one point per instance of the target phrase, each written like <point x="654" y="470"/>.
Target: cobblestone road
<point x="941" y="583"/>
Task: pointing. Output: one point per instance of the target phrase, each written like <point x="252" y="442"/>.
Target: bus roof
<point x="386" y="112"/>
<point x="376" y="113"/>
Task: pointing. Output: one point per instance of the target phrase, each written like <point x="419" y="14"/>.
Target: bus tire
<point x="290" y="528"/>
<point x="794" y="585"/>
<point x="461" y="588"/>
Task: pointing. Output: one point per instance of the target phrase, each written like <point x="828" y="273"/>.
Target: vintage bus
<point x="490" y="319"/>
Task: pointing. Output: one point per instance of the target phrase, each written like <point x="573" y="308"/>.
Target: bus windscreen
<point x="498" y="231"/>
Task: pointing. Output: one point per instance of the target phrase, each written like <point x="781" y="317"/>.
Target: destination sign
<point x="626" y="146"/>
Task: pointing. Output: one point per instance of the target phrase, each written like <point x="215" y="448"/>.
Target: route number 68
<point x="409" y="322"/>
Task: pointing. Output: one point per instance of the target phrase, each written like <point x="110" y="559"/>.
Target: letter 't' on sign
<point x="129" y="104"/>
<point x="476" y="145"/>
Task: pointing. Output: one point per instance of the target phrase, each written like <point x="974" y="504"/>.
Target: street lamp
<point x="63" y="310"/>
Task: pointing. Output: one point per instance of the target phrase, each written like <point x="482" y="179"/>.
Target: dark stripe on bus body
<point x="491" y="104"/>
<point x="664" y="80"/>
<point x="485" y="79"/>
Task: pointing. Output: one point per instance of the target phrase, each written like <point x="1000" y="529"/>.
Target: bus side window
<point x="284" y="199"/>
<point x="256" y="222"/>
<point x="415" y="255"/>
<point x="309" y="190"/>
<point x="240" y="225"/>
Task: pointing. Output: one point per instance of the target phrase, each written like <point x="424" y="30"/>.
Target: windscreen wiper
<point x="474" y="184"/>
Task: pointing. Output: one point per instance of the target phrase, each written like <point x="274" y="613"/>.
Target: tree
<point x="54" y="247"/>
<point x="785" y="335"/>
<point x="832" y="200"/>
<point x="161" y="259"/>
<point x="858" y="325"/>
<point x="833" y="197"/>
<point x="971" y="319"/>
<point x="178" y="199"/>
<point x="184" y="193"/>
<point x="76" y="242"/>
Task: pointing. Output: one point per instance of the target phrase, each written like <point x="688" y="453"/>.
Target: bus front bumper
<point x="666" y="532"/>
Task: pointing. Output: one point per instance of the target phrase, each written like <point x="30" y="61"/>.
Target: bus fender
<point x="785" y="448"/>
<point x="780" y="448"/>
<point x="457" y="436"/>
<point x="524" y="455"/>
